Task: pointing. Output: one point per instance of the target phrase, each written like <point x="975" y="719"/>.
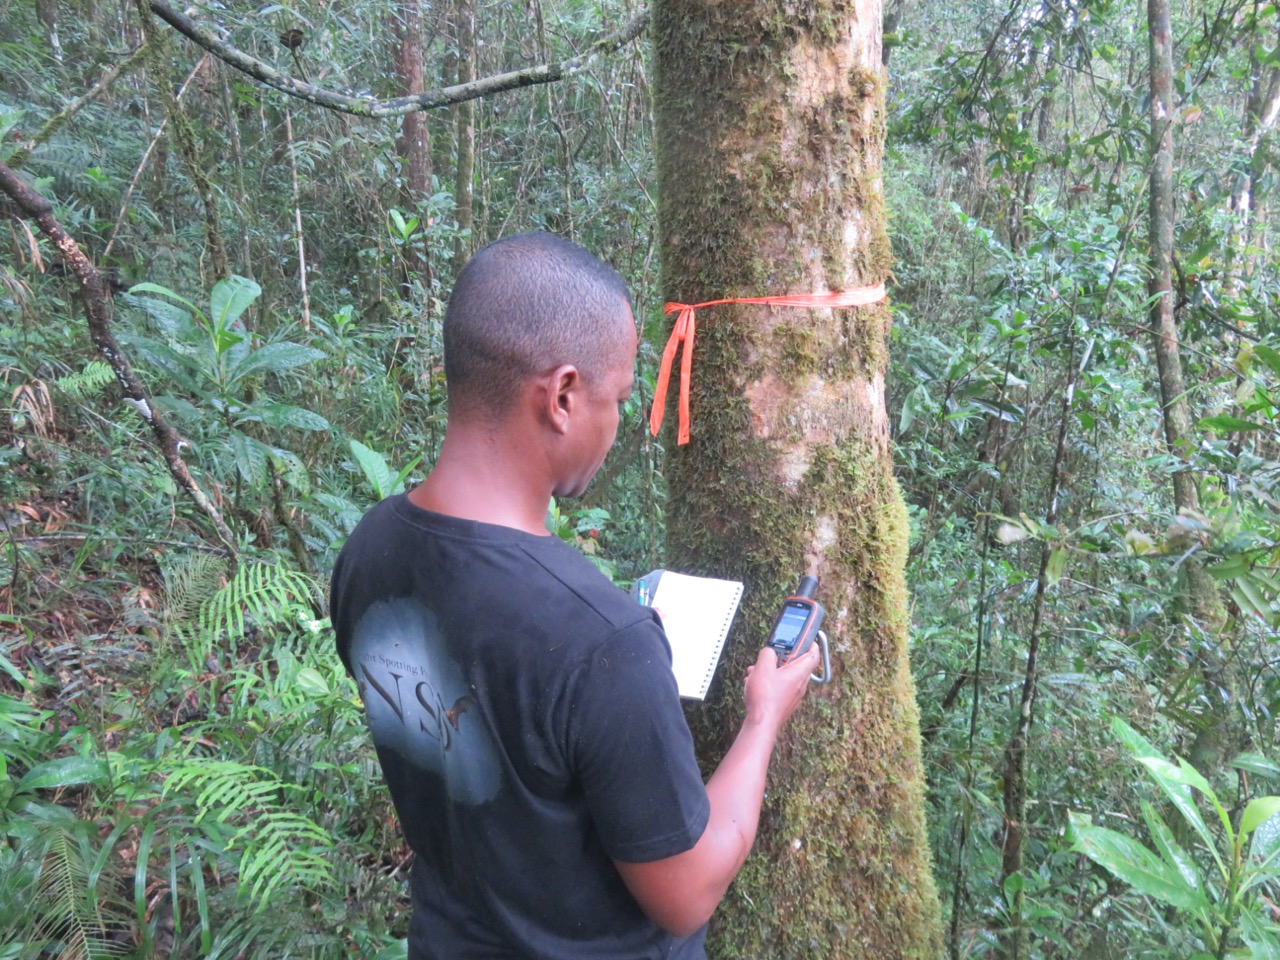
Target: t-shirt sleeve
<point x="631" y="747"/>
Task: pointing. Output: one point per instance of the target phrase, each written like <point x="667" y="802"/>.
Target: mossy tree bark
<point x="770" y="128"/>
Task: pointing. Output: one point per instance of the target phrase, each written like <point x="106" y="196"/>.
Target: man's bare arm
<point x="680" y="893"/>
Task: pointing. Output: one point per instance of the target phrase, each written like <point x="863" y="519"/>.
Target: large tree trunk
<point x="770" y="127"/>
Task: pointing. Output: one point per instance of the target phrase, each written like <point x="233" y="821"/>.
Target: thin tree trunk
<point x="770" y="130"/>
<point x="1201" y="593"/>
<point x="465" y="119"/>
<point x="1203" y="602"/>
<point x="297" y="222"/>
<point x="1013" y="939"/>
<point x="413" y="145"/>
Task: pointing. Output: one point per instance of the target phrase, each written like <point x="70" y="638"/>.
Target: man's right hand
<point x="773" y="692"/>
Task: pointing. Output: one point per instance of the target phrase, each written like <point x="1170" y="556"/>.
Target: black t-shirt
<point x="530" y="731"/>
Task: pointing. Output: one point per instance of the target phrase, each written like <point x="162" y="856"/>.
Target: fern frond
<point x="260" y="594"/>
<point x="68" y="916"/>
<point x="278" y="846"/>
<point x="189" y="583"/>
<point x="86" y="383"/>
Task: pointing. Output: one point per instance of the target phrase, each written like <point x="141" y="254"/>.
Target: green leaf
<point x="1256" y="763"/>
<point x="1263" y="939"/>
<point x="1250" y="593"/>
<point x="1169" y="847"/>
<point x="278" y="415"/>
<point x="1258" y="812"/>
<point x="231" y="297"/>
<point x="1136" y="865"/>
<point x="275" y="358"/>
<point x="312" y="683"/>
<point x="1054" y="568"/>
<point x="251" y="458"/>
<point x="138" y="288"/>
<point x="375" y="468"/>
<point x="64" y="772"/>
<point x="1270" y="356"/>
<point x="1229" y="568"/>
<point x="916" y="401"/>
<point x="1226" y="424"/>
<point x="1266" y="839"/>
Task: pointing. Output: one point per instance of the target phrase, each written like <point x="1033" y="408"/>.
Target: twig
<point x="81" y="537"/>
<point x="297" y="221"/>
<point x="142" y="164"/>
<point x="371" y="106"/>
<point x="96" y="308"/>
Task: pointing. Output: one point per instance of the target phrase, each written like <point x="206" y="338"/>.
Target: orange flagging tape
<point x="683" y="329"/>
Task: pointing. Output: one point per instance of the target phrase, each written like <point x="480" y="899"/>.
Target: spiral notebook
<point x="697" y="613"/>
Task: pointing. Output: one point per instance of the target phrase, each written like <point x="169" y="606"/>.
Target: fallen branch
<point x="371" y="106"/>
<point x="97" y="311"/>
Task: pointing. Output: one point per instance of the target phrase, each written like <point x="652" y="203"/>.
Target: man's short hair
<point x="523" y="306"/>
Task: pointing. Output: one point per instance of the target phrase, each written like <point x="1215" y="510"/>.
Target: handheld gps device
<point x="799" y="625"/>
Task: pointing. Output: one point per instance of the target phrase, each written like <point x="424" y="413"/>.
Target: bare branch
<point x="371" y="106"/>
<point x="97" y="312"/>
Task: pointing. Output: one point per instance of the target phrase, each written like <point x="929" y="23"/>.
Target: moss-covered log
<point x="770" y="126"/>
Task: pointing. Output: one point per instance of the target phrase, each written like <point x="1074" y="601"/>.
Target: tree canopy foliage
<point x="184" y="769"/>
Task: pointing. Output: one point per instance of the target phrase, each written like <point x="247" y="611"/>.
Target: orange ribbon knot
<point x="683" y="329"/>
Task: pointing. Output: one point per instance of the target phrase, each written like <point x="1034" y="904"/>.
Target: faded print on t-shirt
<point x="418" y="700"/>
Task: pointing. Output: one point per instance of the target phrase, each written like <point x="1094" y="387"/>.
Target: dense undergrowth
<point x="183" y="765"/>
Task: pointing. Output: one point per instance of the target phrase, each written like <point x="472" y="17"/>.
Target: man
<point x="524" y="708"/>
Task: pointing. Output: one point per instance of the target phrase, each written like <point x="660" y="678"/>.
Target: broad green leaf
<point x="1182" y="772"/>
<point x="1177" y="790"/>
<point x="1169" y="847"/>
<point x="1266" y="839"/>
<point x="1136" y="865"/>
<point x="1270" y="356"/>
<point x="175" y="320"/>
<point x="1262" y="938"/>
<point x="1226" y="424"/>
<point x="397" y="950"/>
<point x="184" y="369"/>
<point x="231" y="297"/>
<point x="916" y="401"/>
<point x="1138" y="745"/>
<point x="278" y="415"/>
<point x="375" y="469"/>
<point x="64" y="772"/>
<point x="138" y="288"/>
<point x="1256" y="763"/>
<point x="1250" y="593"/>
<point x="1228" y="568"/>
<point x="312" y="683"/>
<point x="274" y="358"/>
<point x="251" y="458"/>
<point x="1054" y="568"/>
<point x="1259" y="810"/>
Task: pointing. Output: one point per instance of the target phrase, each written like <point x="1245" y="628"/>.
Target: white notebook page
<point x="696" y="614"/>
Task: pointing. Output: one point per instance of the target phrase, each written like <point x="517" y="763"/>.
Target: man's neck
<point x="477" y="478"/>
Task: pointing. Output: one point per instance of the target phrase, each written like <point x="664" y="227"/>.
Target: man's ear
<point x="561" y="396"/>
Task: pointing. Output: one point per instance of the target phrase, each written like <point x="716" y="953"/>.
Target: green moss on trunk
<point x="770" y="132"/>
